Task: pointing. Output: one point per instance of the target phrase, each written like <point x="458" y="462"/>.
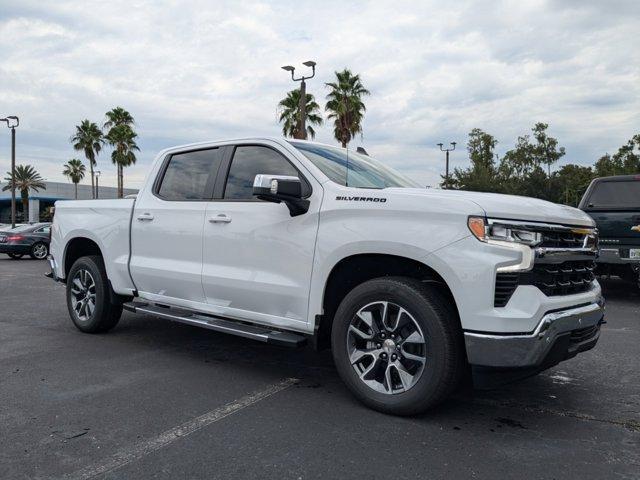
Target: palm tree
<point x="26" y="178"/>
<point x="88" y="139"/>
<point x="118" y="116"/>
<point x="75" y="170"/>
<point x="289" y="109"/>
<point x="345" y="105"/>
<point x="123" y="139"/>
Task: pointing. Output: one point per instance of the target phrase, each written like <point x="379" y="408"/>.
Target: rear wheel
<point x="89" y="296"/>
<point x="397" y="345"/>
<point x="15" y="256"/>
<point x="39" y="251"/>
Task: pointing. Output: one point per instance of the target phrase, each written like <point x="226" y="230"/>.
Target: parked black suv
<point x="614" y="203"/>
<point x="30" y="240"/>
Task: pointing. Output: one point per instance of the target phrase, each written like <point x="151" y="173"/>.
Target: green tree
<point x="75" y="170"/>
<point x="605" y="166"/>
<point x="27" y="178"/>
<point x="569" y="183"/>
<point x="481" y="176"/>
<point x="88" y="139"/>
<point x="289" y="114"/>
<point x="123" y="139"/>
<point x="546" y="148"/>
<point x="118" y="116"/>
<point x="121" y="136"/>
<point x="521" y="168"/>
<point x="626" y="161"/>
<point x="345" y="105"/>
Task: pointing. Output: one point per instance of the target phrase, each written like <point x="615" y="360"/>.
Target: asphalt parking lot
<point x="155" y="399"/>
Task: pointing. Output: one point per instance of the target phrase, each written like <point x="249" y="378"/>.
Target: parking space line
<point x="132" y="453"/>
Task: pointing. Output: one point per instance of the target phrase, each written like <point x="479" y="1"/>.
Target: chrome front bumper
<point x="577" y="329"/>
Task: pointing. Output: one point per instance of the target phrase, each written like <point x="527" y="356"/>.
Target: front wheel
<point x="39" y="251"/>
<point x="397" y="345"/>
<point x="89" y="296"/>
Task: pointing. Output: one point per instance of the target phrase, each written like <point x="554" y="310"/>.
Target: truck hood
<point x="512" y="207"/>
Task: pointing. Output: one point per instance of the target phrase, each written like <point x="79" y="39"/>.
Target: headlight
<point x="500" y="233"/>
<point x="493" y="230"/>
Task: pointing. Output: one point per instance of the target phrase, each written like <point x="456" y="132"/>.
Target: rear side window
<point x="190" y="175"/>
<point x="615" y="194"/>
<point x="249" y="161"/>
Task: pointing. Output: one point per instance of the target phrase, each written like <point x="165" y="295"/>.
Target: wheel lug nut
<point x="384" y="355"/>
<point x="394" y="356"/>
<point x="382" y="335"/>
<point x="378" y="345"/>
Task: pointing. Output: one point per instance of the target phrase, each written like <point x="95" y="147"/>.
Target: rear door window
<point x="618" y="194"/>
<point x="190" y="175"/>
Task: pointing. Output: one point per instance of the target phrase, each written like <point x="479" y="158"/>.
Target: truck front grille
<point x="567" y="278"/>
<point x="561" y="239"/>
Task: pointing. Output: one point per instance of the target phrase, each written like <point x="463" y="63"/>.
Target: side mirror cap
<point x="277" y="185"/>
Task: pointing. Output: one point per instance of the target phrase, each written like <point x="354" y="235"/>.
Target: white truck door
<point x="257" y="258"/>
<point x="166" y="230"/>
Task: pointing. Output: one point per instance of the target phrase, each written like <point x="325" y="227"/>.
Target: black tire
<point x="104" y="315"/>
<point x="15" y="256"/>
<point x="39" y="251"/>
<point x="443" y="344"/>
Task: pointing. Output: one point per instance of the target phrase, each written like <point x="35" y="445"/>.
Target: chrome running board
<point x="254" y="332"/>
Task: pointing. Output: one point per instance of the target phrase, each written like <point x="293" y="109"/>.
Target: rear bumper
<point x="558" y="336"/>
<point x="11" y="248"/>
<point x="52" y="274"/>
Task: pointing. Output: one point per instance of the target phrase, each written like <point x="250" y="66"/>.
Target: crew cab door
<point x="257" y="257"/>
<point x="166" y="228"/>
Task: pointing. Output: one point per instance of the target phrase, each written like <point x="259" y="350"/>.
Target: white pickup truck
<point x="287" y="241"/>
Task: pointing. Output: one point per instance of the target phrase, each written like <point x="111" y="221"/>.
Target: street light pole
<point x="97" y="174"/>
<point x="12" y="122"/>
<point x="447" y="150"/>
<point x="301" y="132"/>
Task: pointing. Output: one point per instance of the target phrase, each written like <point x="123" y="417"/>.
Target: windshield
<point x="616" y="194"/>
<point x="362" y="172"/>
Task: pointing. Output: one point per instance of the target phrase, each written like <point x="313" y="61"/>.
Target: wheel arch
<point x="77" y="247"/>
<point x="356" y="269"/>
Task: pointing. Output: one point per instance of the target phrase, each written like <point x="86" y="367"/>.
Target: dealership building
<point x="41" y="201"/>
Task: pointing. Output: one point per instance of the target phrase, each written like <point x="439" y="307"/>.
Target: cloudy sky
<point x="200" y="70"/>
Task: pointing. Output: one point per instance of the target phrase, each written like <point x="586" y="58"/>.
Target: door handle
<point x="145" y="217"/>
<point x="220" y="218"/>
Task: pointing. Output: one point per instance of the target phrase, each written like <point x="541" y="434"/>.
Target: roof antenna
<point x="362" y="151"/>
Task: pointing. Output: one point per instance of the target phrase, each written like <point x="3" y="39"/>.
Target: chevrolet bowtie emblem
<point x="636" y="228"/>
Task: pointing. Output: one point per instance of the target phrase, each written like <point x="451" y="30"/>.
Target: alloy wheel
<point x="83" y="295"/>
<point x="386" y="347"/>
<point x="40" y="251"/>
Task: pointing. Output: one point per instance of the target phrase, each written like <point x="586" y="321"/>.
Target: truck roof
<point x="618" y="178"/>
